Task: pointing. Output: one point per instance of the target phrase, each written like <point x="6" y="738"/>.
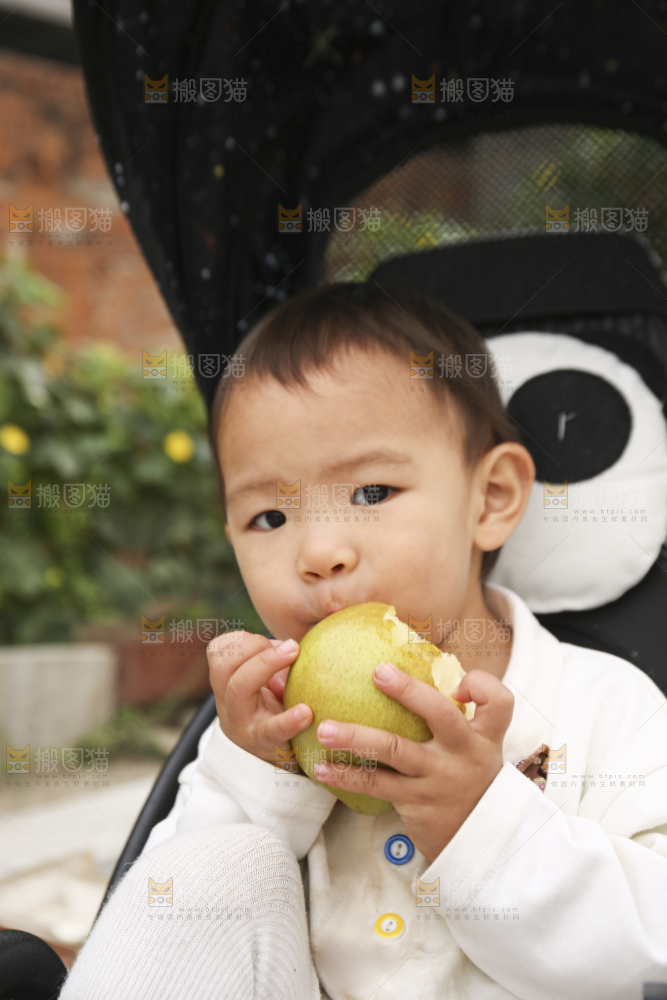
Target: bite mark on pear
<point x="446" y="671"/>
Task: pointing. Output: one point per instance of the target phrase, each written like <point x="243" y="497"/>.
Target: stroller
<point x="510" y="159"/>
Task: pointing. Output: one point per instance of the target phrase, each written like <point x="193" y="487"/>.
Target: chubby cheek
<point x="272" y="598"/>
<point x="432" y="553"/>
<point x="271" y="609"/>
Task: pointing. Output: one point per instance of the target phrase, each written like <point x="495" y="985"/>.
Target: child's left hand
<point x="439" y="782"/>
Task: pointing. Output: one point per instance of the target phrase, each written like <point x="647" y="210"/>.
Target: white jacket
<point x="555" y="893"/>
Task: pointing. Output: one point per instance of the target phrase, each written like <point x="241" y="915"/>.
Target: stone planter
<point x="52" y="694"/>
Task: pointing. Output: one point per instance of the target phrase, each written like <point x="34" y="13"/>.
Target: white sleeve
<point x="226" y="784"/>
<point x="563" y="904"/>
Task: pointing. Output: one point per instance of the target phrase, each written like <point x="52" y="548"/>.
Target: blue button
<point x="399" y="849"/>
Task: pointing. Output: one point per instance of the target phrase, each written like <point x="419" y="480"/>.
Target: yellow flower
<point x="179" y="446"/>
<point x="14" y="439"/>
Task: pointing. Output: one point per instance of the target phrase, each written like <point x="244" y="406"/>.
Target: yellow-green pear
<point x="333" y="676"/>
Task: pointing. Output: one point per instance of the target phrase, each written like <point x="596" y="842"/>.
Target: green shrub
<point x="88" y="416"/>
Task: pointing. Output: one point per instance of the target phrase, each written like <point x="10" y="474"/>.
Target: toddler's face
<point x="363" y="427"/>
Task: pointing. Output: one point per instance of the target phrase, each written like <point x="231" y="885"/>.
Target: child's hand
<point x="440" y="781"/>
<point x="249" y="692"/>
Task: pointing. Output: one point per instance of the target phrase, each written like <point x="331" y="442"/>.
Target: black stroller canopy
<point x="509" y="158"/>
<point x="328" y="110"/>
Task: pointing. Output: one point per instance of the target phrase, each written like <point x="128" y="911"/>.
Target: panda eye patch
<point x="575" y="424"/>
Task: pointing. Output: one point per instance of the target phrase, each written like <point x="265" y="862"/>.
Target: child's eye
<point x="275" y="519"/>
<point x="372" y="494"/>
<point x="364" y="496"/>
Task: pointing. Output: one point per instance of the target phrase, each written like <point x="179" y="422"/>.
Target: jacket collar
<point x="533" y="675"/>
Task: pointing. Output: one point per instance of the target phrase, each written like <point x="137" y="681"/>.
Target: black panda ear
<point x="597" y="514"/>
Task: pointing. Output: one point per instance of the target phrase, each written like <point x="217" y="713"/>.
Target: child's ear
<point x="227" y="533"/>
<point x="507" y="475"/>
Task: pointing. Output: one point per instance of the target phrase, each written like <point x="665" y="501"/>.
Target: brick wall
<point x="49" y="158"/>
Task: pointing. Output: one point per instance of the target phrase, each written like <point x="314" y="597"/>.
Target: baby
<point x="485" y="880"/>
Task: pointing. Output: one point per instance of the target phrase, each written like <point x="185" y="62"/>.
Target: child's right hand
<point x="248" y="692"/>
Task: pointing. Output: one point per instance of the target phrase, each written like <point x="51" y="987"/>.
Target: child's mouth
<point x="333" y="608"/>
<point x="339" y="606"/>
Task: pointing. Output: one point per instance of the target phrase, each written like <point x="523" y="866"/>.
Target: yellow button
<point x="389" y="926"/>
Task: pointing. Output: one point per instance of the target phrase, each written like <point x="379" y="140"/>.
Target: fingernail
<point x="288" y="646"/>
<point x="384" y="672"/>
<point x="300" y="713"/>
<point x="326" y="729"/>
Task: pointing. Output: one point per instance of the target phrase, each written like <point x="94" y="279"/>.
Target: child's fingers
<point x="281" y="728"/>
<point x="226" y="653"/>
<point x="494" y="703"/>
<point x="276" y="684"/>
<point x="244" y="681"/>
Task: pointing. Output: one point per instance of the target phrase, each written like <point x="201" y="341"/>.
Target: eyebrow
<point x="378" y="456"/>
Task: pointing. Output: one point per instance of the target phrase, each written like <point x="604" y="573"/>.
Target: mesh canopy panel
<point x="499" y="184"/>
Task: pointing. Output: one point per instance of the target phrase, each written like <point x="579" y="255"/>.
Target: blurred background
<point x="115" y="571"/>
